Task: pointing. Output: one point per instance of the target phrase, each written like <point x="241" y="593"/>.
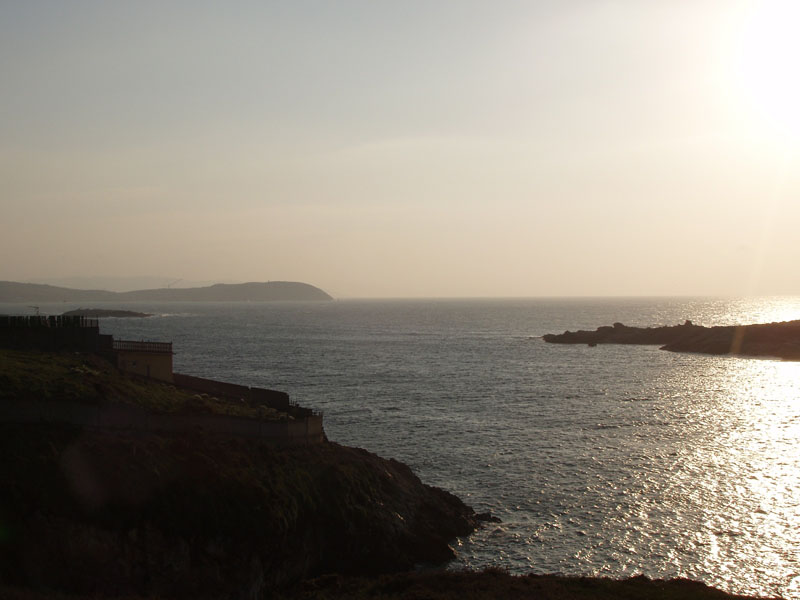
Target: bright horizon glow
<point x="449" y="149"/>
<point x="766" y="66"/>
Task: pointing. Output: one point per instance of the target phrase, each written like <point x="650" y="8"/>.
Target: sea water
<point x="607" y="460"/>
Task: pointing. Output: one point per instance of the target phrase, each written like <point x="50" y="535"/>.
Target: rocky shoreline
<point x="768" y="340"/>
<point x="490" y="584"/>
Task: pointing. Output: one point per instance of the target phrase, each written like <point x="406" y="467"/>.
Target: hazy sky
<point x="415" y="148"/>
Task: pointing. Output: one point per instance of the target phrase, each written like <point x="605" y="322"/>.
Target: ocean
<point x="608" y="460"/>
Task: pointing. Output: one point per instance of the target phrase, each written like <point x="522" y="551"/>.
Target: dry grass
<point x="89" y="379"/>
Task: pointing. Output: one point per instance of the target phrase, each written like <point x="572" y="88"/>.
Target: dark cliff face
<point x="94" y="512"/>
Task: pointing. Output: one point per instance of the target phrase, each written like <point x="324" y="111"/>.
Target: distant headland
<point x="769" y="340"/>
<point x="101" y="313"/>
<point x="270" y="291"/>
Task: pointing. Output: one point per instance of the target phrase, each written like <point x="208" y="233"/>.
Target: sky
<point x="405" y="149"/>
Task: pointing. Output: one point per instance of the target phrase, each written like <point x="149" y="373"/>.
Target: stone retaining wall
<point x="271" y="398"/>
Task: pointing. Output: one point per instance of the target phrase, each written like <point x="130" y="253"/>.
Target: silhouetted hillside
<point x="11" y="291"/>
<point x="221" y="292"/>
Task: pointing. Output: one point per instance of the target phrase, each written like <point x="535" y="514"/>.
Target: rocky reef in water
<point x="774" y="340"/>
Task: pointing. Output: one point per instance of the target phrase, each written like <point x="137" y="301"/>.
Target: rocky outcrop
<point x="622" y="334"/>
<point x="197" y="516"/>
<point x="777" y="340"/>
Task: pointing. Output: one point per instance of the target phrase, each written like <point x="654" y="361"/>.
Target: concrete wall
<point x="255" y="396"/>
<point x="148" y="364"/>
<point x="123" y="417"/>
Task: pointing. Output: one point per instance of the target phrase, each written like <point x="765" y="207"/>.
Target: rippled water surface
<point x="613" y="460"/>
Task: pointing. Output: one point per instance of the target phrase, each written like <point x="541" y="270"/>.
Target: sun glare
<point x="765" y="57"/>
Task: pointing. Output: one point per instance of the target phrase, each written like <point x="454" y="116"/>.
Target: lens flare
<point x="765" y="57"/>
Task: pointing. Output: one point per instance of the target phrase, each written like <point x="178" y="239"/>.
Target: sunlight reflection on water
<point x="746" y="478"/>
<point x="709" y="488"/>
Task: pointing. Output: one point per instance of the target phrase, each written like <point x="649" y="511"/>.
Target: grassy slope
<point x="90" y="379"/>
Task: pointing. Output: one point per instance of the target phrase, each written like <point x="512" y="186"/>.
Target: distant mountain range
<point x="11" y="291"/>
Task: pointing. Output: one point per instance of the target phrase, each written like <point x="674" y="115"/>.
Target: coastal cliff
<point x="95" y="510"/>
<point x="775" y="340"/>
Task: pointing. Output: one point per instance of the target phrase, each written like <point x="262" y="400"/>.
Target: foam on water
<point x="614" y="460"/>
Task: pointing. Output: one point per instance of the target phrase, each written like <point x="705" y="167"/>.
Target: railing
<point x="161" y="347"/>
<point x="55" y="321"/>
